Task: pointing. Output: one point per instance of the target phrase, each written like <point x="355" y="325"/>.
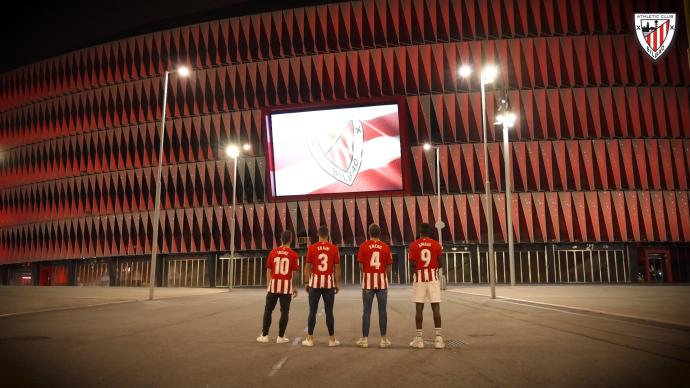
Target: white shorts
<point x="426" y="292"/>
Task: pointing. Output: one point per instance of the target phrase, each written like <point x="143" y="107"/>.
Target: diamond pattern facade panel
<point x="600" y="152"/>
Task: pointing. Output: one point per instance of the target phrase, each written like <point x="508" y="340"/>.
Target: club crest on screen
<point x="655" y="32"/>
<point x="338" y="150"/>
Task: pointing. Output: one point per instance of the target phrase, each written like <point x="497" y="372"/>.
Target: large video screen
<point x="335" y="151"/>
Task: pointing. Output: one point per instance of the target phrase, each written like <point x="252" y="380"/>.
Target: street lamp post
<point x="233" y="152"/>
<point x="182" y="71"/>
<point x="507" y="119"/>
<point x="439" y="223"/>
<point x="487" y="76"/>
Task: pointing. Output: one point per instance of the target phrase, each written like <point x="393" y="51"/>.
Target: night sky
<point x="32" y="30"/>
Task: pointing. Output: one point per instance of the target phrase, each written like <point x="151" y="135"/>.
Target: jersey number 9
<point x="426" y="257"/>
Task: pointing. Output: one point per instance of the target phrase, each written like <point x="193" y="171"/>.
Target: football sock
<point x="438" y="331"/>
<point x="419" y="333"/>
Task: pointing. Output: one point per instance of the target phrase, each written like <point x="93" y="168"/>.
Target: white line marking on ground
<point x="278" y="365"/>
<point x="64" y="308"/>
<point x="585" y="312"/>
<point x="519" y="303"/>
<point x="536" y="305"/>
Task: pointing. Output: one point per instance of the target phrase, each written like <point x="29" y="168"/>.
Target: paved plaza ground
<point x="667" y="304"/>
<point x="112" y="337"/>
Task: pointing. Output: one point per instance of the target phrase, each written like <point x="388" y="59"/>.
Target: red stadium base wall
<point x="557" y="264"/>
<point x="53" y="275"/>
<point x="657" y="264"/>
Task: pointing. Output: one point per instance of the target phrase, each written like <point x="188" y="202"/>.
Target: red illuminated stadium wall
<point x="601" y="150"/>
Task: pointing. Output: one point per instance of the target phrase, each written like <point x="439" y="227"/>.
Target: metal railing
<point x="132" y="273"/>
<point x="592" y="266"/>
<point x="542" y="265"/>
<point x="185" y="273"/>
<point x="92" y="273"/>
<point x="244" y="271"/>
<point x="558" y="265"/>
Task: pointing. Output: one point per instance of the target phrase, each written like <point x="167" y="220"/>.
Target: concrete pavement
<point x="667" y="304"/>
<point x="16" y="300"/>
<point x="209" y="341"/>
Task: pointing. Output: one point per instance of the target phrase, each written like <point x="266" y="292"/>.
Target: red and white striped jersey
<point x="323" y="256"/>
<point x="282" y="261"/>
<point x="374" y="281"/>
<point x="375" y="257"/>
<point x="280" y="286"/>
<point x="424" y="252"/>
<point x="321" y="281"/>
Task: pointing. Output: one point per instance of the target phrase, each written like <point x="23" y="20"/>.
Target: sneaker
<point x="363" y="342"/>
<point x="262" y="338"/>
<point x="308" y="342"/>
<point x="438" y="342"/>
<point x="333" y="343"/>
<point x="282" y="340"/>
<point x="385" y="343"/>
<point x="417" y="343"/>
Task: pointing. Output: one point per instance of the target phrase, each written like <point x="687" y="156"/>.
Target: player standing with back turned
<point x="425" y="253"/>
<point x="374" y="257"/>
<point x="323" y="260"/>
<point x="281" y="264"/>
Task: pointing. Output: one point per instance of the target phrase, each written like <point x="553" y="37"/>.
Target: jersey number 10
<point x="281" y="265"/>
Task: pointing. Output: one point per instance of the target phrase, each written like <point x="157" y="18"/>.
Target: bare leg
<point x="436" y="308"/>
<point x="418" y="318"/>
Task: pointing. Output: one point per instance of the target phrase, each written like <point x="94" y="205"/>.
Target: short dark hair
<point x="286" y="237"/>
<point x="374" y="231"/>
<point x="424" y="229"/>
<point x="323" y="231"/>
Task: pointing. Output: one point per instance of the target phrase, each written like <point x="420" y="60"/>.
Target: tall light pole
<point x="439" y="223"/>
<point x="233" y="152"/>
<point x="487" y="76"/>
<point x="182" y="71"/>
<point x="507" y="119"/>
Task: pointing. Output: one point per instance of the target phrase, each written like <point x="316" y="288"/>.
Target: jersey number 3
<point x="323" y="265"/>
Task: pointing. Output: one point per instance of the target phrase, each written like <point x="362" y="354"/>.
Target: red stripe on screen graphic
<point x="386" y="177"/>
<point x="386" y="125"/>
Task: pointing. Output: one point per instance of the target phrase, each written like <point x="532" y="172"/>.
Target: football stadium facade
<point x="600" y="151"/>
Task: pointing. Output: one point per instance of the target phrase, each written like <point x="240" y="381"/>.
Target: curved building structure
<point x="600" y="151"/>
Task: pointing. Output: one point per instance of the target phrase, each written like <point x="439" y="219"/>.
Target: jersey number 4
<point x="281" y="265"/>
<point x="374" y="262"/>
